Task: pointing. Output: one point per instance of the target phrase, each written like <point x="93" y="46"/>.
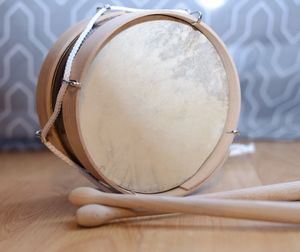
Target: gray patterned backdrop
<point x="262" y="35"/>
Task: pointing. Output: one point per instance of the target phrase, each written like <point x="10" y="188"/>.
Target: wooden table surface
<point x="35" y="214"/>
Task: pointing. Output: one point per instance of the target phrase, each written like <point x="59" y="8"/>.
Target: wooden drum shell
<point x="97" y="40"/>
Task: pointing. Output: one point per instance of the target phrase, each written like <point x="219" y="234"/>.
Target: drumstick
<point x="285" y="212"/>
<point x="289" y="191"/>
<point x="81" y="196"/>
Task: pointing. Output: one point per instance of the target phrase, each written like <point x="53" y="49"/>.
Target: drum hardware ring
<point x="38" y="133"/>
<point x="197" y="14"/>
<point x="105" y="6"/>
<point x="234" y="132"/>
<point x="73" y="83"/>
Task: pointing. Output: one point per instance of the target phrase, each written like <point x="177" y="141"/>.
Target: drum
<point x="142" y="101"/>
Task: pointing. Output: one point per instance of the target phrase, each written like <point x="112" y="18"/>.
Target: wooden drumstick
<point x="81" y="196"/>
<point x="289" y="191"/>
<point x="285" y="212"/>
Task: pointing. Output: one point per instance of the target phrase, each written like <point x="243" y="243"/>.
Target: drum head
<point x="153" y="105"/>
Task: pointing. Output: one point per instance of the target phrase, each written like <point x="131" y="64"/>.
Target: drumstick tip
<point x="82" y="195"/>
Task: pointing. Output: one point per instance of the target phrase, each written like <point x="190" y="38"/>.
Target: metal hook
<point x="38" y="133"/>
<point x="73" y="83"/>
<point x="234" y="132"/>
<point x="105" y="6"/>
<point x="197" y="14"/>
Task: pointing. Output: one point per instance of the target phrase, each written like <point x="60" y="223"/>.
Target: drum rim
<point x="87" y="54"/>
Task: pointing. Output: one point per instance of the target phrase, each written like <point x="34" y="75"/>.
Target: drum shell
<point x="81" y="63"/>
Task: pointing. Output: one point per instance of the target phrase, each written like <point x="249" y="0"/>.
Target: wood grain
<point x="35" y="214"/>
